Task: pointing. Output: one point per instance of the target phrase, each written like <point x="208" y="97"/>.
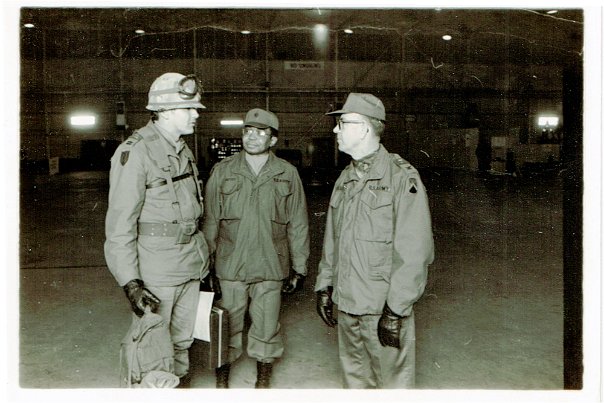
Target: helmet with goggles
<point x="174" y="91"/>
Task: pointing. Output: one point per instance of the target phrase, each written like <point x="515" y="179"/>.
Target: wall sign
<point x="303" y="65"/>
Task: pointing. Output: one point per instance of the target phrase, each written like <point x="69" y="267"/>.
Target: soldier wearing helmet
<point x="153" y="246"/>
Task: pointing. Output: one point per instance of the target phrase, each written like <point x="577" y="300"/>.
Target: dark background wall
<point x="441" y="97"/>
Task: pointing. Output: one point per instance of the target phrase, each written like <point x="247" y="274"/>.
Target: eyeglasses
<point x="263" y="133"/>
<point x="341" y="122"/>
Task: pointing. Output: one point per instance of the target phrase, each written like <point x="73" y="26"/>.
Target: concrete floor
<point x="491" y="317"/>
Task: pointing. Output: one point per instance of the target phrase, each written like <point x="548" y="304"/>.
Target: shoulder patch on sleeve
<point x="412" y="185"/>
<point x="127" y="145"/>
<point x="124" y="157"/>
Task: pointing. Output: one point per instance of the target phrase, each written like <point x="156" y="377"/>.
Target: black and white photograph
<point x="360" y="202"/>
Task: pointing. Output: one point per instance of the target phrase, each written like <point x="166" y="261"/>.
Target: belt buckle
<point x="185" y="230"/>
<point x="189" y="227"/>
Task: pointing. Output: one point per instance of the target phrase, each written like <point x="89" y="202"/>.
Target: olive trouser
<point x="366" y="363"/>
<point x="264" y="340"/>
<point x="178" y="307"/>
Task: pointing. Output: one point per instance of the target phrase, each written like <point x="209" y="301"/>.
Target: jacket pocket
<point x="377" y="256"/>
<point x="375" y="219"/>
<point x="282" y="192"/>
<point x="335" y="204"/>
<point x="282" y="249"/>
<point x="231" y="205"/>
<point x="158" y="197"/>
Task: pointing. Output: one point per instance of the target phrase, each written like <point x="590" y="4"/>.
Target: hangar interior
<point x="487" y="103"/>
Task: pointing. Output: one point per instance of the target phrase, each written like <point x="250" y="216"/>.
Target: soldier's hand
<point x="389" y="328"/>
<point x="293" y="283"/>
<point x="325" y="306"/>
<point x="211" y="283"/>
<point x="140" y="297"/>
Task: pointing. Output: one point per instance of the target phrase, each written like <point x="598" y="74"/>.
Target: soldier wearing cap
<point x="256" y="226"/>
<point x="377" y="247"/>
<point x="153" y="246"/>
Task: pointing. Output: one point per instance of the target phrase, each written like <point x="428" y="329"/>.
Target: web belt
<point x="163" y="182"/>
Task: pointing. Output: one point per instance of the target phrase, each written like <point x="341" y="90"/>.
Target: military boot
<point x="222" y="376"/>
<point x="264" y="370"/>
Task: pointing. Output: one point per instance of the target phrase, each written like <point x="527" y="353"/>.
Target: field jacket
<point x="139" y="196"/>
<point x="378" y="238"/>
<point x="257" y="226"/>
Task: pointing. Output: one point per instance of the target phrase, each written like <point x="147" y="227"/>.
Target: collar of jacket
<point x="376" y="171"/>
<point x="271" y="168"/>
<point x="171" y="147"/>
<point x="160" y="148"/>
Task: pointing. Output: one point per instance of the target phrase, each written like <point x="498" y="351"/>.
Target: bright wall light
<point x="550" y="121"/>
<point x="320" y="36"/>
<point x="82" y="120"/>
<point x="231" y="122"/>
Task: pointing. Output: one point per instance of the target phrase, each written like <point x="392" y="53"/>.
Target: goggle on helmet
<point x="174" y="91"/>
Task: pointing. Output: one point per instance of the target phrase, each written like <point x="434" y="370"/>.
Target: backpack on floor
<point x="147" y="354"/>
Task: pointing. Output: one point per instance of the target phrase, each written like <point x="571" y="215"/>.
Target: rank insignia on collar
<point x="124" y="157"/>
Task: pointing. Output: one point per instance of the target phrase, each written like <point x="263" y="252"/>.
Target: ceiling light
<point x="246" y="32"/>
<point x="320" y="36"/>
<point x="348" y="31"/>
<point x="447" y="37"/>
<point x="552" y="11"/>
<point x="29" y="25"/>
<point x="139" y="31"/>
<point x="231" y="122"/>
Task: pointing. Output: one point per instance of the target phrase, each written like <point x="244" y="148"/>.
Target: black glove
<point x="293" y="283"/>
<point x="211" y="284"/>
<point x="140" y="297"/>
<point x="389" y="328"/>
<point x="325" y="306"/>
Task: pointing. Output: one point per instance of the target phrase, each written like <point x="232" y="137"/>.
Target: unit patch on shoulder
<point x="124" y="157"/>
<point x="413" y="187"/>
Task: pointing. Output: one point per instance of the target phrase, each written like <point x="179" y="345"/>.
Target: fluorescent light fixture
<point x="550" y="121"/>
<point x="246" y="32"/>
<point x="447" y="37"/>
<point x="348" y="31"/>
<point x="139" y="31"/>
<point x="320" y="30"/>
<point x="320" y="36"/>
<point x="83" y="120"/>
<point x="29" y="25"/>
<point x="231" y="122"/>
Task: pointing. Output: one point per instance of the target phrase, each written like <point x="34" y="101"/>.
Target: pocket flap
<point x="229" y="186"/>
<point x="376" y="199"/>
